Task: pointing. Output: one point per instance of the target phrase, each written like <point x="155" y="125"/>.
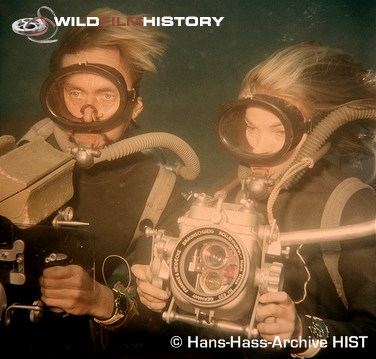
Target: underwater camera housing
<point x="226" y="257"/>
<point x="218" y="266"/>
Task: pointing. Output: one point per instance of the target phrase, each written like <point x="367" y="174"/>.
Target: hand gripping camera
<point x="218" y="266"/>
<point x="25" y="253"/>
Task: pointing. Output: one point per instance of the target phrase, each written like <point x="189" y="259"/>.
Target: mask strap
<point x="132" y="94"/>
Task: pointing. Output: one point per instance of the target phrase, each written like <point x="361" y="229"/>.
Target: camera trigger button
<point x="216" y="217"/>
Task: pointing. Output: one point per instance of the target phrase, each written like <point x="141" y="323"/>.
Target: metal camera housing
<point x="217" y="267"/>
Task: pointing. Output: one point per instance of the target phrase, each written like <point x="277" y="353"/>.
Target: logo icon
<point x="36" y="26"/>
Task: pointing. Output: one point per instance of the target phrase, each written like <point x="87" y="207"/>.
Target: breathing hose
<point x="351" y="111"/>
<point x="189" y="171"/>
<point x="86" y="158"/>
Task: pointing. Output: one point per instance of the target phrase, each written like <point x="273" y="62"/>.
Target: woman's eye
<point x="251" y="128"/>
<point x="280" y="133"/>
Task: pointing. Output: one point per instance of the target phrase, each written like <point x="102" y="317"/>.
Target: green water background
<point x="203" y="66"/>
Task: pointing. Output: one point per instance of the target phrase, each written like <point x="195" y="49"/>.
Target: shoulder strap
<point x="158" y="198"/>
<point x="331" y="217"/>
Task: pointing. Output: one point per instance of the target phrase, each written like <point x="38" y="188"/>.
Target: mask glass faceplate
<point x="260" y="130"/>
<point x="86" y="97"/>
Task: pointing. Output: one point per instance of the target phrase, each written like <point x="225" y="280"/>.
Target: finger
<point x="281" y="328"/>
<point x="265" y="311"/>
<point x="142" y="272"/>
<point x="52" y="282"/>
<point x="56" y="272"/>
<point x="66" y="305"/>
<point x="152" y="299"/>
<point x="65" y="293"/>
<point x="72" y="282"/>
<point x="275" y="297"/>
<point x="275" y="326"/>
<point x="139" y="271"/>
<point x="63" y="272"/>
<point x="157" y="307"/>
<point x="147" y="288"/>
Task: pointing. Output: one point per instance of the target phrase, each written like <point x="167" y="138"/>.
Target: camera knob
<point x="275" y="279"/>
<point x="270" y="277"/>
<point x="216" y="217"/>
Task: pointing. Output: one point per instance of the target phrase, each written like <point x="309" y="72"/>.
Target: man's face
<point x="92" y="98"/>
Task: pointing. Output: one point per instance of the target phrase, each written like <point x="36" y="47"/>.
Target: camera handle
<point x="36" y="311"/>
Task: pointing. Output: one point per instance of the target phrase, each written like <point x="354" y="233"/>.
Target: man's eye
<point x="108" y="96"/>
<point x="75" y="93"/>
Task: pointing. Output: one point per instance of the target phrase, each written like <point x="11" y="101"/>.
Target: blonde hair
<point x="139" y="45"/>
<point x="317" y="78"/>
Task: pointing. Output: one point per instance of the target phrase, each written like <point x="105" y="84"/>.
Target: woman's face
<point x="266" y="135"/>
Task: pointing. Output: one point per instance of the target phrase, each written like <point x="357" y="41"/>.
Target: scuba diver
<point x="92" y="101"/>
<point x="281" y="130"/>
